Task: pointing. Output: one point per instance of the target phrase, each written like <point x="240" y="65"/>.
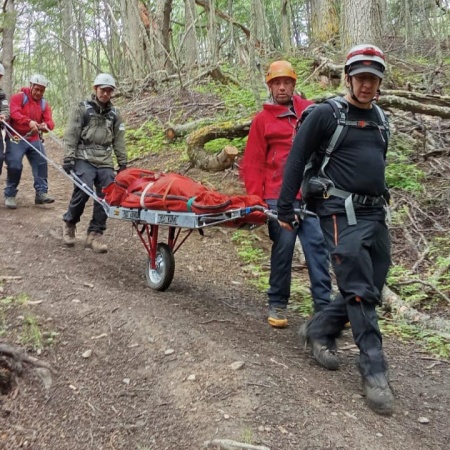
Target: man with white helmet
<point x="30" y="116"/>
<point x="359" y="248"/>
<point x="4" y="116"/>
<point x="95" y="131"/>
<point x="268" y="145"/>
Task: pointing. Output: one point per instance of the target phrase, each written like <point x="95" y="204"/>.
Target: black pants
<point x="360" y="255"/>
<point x="92" y="176"/>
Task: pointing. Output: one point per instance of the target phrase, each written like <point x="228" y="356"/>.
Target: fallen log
<point x="222" y="160"/>
<point x="401" y="310"/>
<point x="176" y="131"/>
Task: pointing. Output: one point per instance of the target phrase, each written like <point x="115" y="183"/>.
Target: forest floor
<point x="137" y="369"/>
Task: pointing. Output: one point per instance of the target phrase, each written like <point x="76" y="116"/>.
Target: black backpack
<point x="315" y="183"/>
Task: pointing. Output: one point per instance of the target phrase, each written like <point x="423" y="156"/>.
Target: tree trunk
<point x="162" y="34"/>
<point x="190" y="43"/>
<point x="9" y="28"/>
<point x="286" y="27"/>
<point x="360" y="22"/>
<point x="324" y="21"/>
<point x="69" y="44"/>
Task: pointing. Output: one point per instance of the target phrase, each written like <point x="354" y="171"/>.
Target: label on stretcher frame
<point x="167" y="220"/>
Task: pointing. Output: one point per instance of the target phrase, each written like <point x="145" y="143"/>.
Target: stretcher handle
<point x="300" y="212"/>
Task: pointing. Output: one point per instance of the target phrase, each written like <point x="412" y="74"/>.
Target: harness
<point x="319" y="181"/>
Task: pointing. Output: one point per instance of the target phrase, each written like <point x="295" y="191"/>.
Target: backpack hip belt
<point x="351" y="199"/>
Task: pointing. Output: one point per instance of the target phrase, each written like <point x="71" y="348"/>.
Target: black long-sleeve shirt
<point x="356" y="166"/>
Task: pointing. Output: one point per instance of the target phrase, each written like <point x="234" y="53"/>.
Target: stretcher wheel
<point x="161" y="277"/>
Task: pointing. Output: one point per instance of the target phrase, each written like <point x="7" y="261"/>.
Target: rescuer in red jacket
<point x="30" y="116"/>
<point x="268" y="146"/>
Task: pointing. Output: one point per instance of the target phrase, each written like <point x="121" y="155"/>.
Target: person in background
<point x="30" y="116"/>
<point x="4" y="117"/>
<point x="95" y="131"/>
<point x="268" y="145"/>
<point x="359" y="248"/>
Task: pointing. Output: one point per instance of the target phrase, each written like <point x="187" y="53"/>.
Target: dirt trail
<point x="160" y="374"/>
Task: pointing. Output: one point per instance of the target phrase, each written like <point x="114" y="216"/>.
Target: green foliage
<point x="301" y="300"/>
<point x="147" y="139"/>
<point x="407" y="177"/>
<point x="400" y="172"/>
<point x="217" y="145"/>
<point x="247" y="436"/>
<point x="412" y="293"/>
<point x="429" y="340"/>
<point x="239" y="102"/>
<point x="31" y="335"/>
<point x="304" y="68"/>
<point x="253" y="258"/>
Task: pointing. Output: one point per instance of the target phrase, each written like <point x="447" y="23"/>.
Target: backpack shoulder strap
<point x="88" y="112"/>
<point x="340" y="109"/>
<point x="25" y="101"/>
<point x="383" y="119"/>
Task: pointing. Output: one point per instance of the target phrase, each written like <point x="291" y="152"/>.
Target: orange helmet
<point x="280" y="69"/>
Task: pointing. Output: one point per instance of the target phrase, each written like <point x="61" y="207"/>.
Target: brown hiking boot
<point x="95" y="242"/>
<point x="69" y="230"/>
<point x="277" y="317"/>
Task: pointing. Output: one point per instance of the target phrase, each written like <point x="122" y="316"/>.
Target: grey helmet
<point x="38" y="79"/>
<point x="105" y="80"/>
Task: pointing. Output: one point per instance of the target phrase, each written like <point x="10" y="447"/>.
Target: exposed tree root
<point x="19" y="355"/>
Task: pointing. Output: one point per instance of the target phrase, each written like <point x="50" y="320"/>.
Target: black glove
<point x="68" y="164"/>
<point x="121" y="167"/>
<point x="288" y="218"/>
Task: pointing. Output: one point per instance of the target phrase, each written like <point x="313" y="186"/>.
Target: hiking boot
<point x="379" y="396"/>
<point x="277" y="317"/>
<point x="69" y="234"/>
<point x="95" y="242"/>
<point x="323" y="354"/>
<point x="43" y="199"/>
<point x="10" y="202"/>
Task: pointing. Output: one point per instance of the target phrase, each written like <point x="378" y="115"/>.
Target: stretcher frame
<point x="160" y="264"/>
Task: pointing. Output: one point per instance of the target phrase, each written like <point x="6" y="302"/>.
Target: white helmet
<point x="365" y="58"/>
<point x="39" y="79"/>
<point x="105" y="80"/>
<point x="2" y="70"/>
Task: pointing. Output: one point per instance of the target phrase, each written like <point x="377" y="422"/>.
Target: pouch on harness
<point x="315" y="183"/>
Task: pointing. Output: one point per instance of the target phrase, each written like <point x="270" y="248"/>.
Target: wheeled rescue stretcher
<point x="149" y="200"/>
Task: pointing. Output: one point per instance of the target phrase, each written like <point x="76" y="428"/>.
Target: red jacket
<point x="21" y="114"/>
<point x="268" y="145"/>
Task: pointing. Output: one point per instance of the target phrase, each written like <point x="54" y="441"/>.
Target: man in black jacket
<point x="353" y="221"/>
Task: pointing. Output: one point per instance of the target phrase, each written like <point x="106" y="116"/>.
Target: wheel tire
<point x="160" y="278"/>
